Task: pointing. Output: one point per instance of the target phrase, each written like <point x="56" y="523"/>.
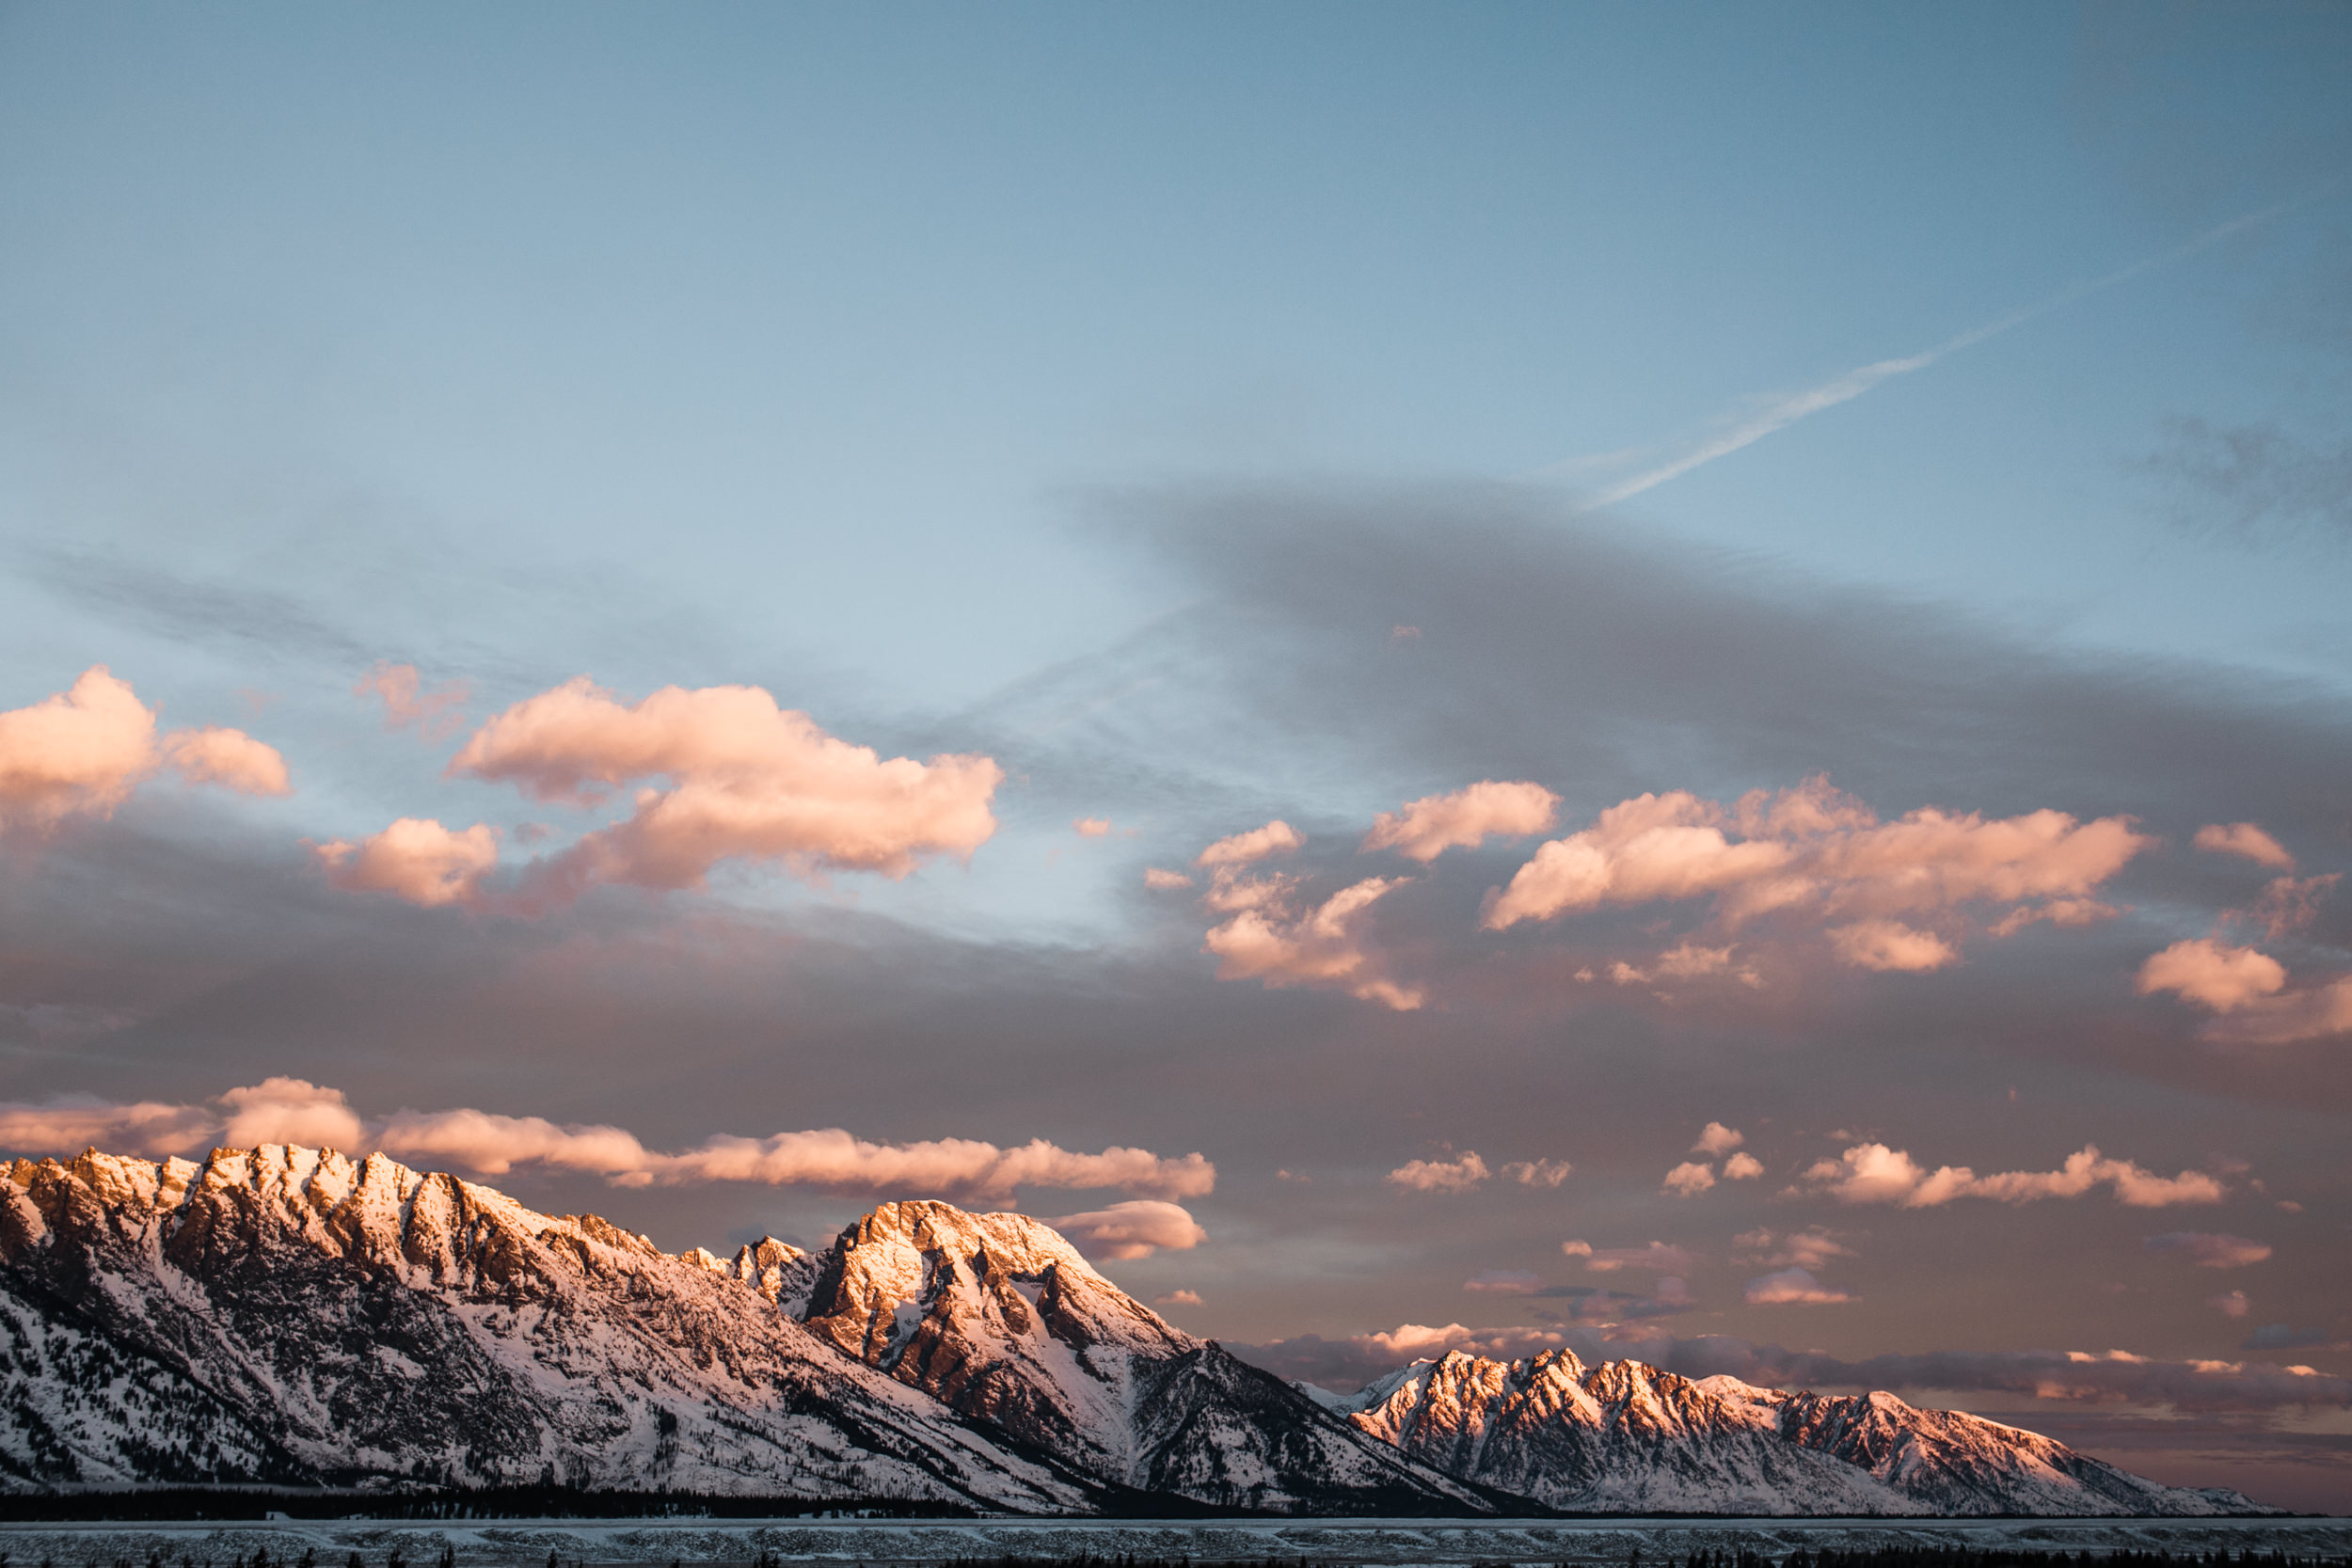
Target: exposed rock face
<point x="290" y="1316"/>
<point x="997" y="1317"/>
<point x="1949" y="1462"/>
<point x="279" y="1314"/>
<point x="1625" y="1438"/>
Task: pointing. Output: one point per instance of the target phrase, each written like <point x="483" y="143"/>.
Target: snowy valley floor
<point x="1398" y="1542"/>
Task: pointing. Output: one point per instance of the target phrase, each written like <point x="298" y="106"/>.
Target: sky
<point x="1667" y="679"/>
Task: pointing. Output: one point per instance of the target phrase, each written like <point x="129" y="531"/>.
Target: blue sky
<point x="1096" y="391"/>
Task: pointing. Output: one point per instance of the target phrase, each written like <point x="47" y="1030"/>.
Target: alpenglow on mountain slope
<point x="289" y="1316"/>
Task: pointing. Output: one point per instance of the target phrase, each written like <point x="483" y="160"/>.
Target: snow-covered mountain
<point x="998" y="1317"/>
<point x="1625" y="1438"/>
<point x="286" y="1315"/>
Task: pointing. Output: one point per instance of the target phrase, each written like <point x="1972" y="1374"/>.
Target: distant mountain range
<point x="285" y="1316"/>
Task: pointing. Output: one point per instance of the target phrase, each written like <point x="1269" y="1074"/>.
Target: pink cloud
<point x="1873" y="1173"/>
<point x="2209" y="1250"/>
<point x="1178" y="1298"/>
<point x="1889" y="945"/>
<point x="1163" y="881"/>
<point x="2287" y="904"/>
<point x="436" y="713"/>
<point x="1275" y="838"/>
<point x="68" y="1125"/>
<point x="289" y="1110"/>
<point x="2212" y="973"/>
<point x="1656" y="1257"/>
<point x="748" y="781"/>
<point x="82" y="752"/>
<point x="1538" y="1173"/>
<point x="2316" y="1012"/>
<point x="1440" y="1176"/>
<point x="2231" y="1304"/>
<point x="1804" y="1249"/>
<point x="1267" y="938"/>
<point x="1788" y="1287"/>
<point x="416" y="859"/>
<point x="1685" y="962"/>
<point x="230" y="759"/>
<point x="1689" y="1179"/>
<point x="1134" y="1230"/>
<point x="1091" y="826"/>
<point x="1743" y="1167"/>
<point x="1814" y="854"/>
<point x="1715" y="1138"/>
<point x="1425" y="828"/>
<point x="2245" y="840"/>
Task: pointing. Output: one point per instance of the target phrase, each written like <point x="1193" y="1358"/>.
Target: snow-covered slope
<point x="1626" y="1438"/>
<point x="1954" y="1462"/>
<point x="280" y="1314"/>
<point x="999" y="1318"/>
<point x="291" y="1316"/>
<point x="1623" y="1437"/>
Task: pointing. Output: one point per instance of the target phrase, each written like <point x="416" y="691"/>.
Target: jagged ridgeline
<point x="292" y="1319"/>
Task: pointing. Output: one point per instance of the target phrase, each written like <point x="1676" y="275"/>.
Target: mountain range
<point x="284" y="1316"/>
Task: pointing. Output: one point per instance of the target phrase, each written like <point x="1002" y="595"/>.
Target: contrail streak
<point x="1786" y="411"/>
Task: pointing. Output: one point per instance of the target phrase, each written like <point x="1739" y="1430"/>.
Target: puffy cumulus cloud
<point x="1743" y="1167"/>
<point x="747" y="781"/>
<point x="1440" y="1176"/>
<point x="436" y="712"/>
<point x="230" y="759"/>
<point x="1132" y="1229"/>
<point x="1275" y="838"/>
<point x="1873" y="1173"/>
<point x="1890" y="945"/>
<point x="1689" y="1179"/>
<point x="1267" y="937"/>
<point x="1425" y="828"/>
<point x="1815" y="854"/>
<point x="1091" y="826"/>
<point x="1656" y="1257"/>
<point x="1502" y="1282"/>
<point x="415" y="858"/>
<point x="1538" y="1173"/>
<point x="2248" y="990"/>
<point x="2212" y="973"/>
<point x="2247" y="841"/>
<point x="2231" y="1304"/>
<point x="1178" y="1298"/>
<point x="1715" y="1138"/>
<point x="80" y="752"/>
<point x="289" y="1111"/>
<point x="1160" y="881"/>
<point x="1790" y="1285"/>
<point x="2209" y="1250"/>
<point x="1352" y="1361"/>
